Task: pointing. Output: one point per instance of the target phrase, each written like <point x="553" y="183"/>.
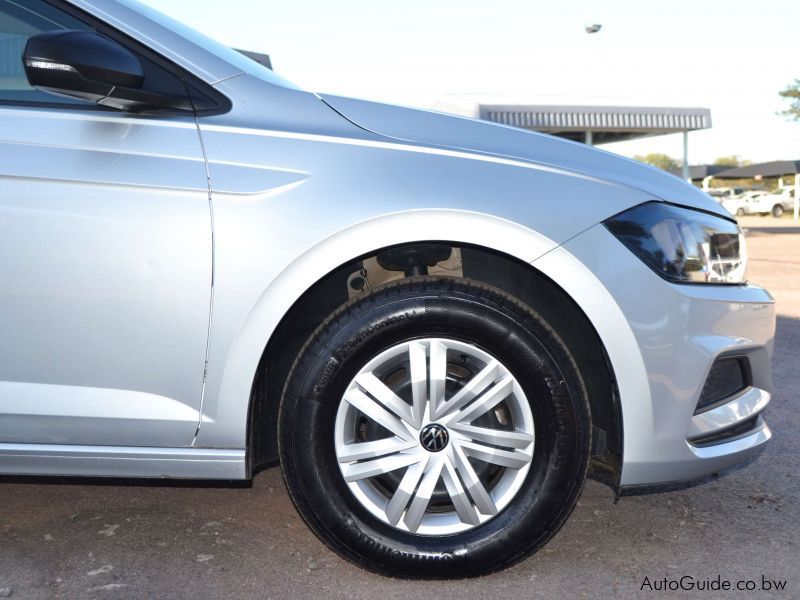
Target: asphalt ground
<point x="134" y="539"/>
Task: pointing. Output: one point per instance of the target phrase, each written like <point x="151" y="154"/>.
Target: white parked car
<point x="773" y="204"/>
<point x="741" y="204"/>
<point x="725" y="193"/>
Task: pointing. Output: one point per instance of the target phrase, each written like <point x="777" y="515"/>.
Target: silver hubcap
<point x="434" y="436"/>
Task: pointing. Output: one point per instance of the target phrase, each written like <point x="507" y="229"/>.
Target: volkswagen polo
<point x="438" y="327"/>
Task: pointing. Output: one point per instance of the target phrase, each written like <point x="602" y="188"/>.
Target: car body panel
<point x="365" y="192"/>
<point x="439" y="129"/>
<point x="105" y="235"/>
<point x="662" y="339"/>
<point x="122" y="461"/>
<point x="106" y="217"/>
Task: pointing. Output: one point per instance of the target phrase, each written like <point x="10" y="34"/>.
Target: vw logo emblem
<point x="433" y="437"/>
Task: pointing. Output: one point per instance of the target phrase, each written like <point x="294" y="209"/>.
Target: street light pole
<point x="686" y="156"/>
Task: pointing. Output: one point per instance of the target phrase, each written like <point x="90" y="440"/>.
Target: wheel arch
<point x="494" y="251"/>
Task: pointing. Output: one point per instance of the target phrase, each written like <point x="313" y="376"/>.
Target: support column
<point x="686" y="156"/>
<point x="797" y="197"/>
<point x="588" y="140"/>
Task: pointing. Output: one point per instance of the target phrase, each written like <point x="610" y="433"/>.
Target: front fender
<point x="299" y="191"/>
<point x="226" y="412"/>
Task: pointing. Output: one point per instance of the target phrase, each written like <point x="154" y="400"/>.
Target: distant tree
<point x="657" y="159"/>
<point x="734" y="160"/>
<point x="792" y="94"/>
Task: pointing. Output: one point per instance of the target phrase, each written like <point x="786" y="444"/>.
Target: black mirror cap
<point x="59" y="57"/>
<point x="90" y="66"/>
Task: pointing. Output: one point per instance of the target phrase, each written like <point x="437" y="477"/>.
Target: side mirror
<point x="90" y="66"/>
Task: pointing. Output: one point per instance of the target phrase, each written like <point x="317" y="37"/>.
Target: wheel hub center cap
<point x="434" y="437"/>
<point x="460" y="436"/>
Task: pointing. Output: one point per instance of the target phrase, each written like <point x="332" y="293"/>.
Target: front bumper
<point x="675" y="333"/>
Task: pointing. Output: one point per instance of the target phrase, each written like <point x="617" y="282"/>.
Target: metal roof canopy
<point x="595" y="124"/>
<point x="700" y="172"/>
<point x="775" y="168"/>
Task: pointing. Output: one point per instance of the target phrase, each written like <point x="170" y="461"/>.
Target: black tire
<point x="427" y="307"/>
<point x="740" y="212"/>
<point x="777" y="211"/>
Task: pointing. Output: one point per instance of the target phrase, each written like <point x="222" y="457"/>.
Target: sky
<point x="731" y="56"/>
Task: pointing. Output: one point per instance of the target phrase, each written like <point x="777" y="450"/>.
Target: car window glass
<point x="19" y="20"/>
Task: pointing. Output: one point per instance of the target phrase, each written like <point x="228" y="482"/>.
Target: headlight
<point x="683" y="245"/>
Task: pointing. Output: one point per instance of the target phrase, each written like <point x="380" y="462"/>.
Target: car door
<point x="105" y="262"/>
<point x="787" y="199"/>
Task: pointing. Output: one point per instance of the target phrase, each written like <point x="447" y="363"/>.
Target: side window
<point x="19" y="20"/>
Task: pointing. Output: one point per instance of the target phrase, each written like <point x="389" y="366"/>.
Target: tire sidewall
<point x="513" y="335"/>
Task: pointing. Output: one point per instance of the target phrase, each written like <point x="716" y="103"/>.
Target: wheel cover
<point x="434" y="436"/>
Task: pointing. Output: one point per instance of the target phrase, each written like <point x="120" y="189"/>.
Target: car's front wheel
<point x="777" y="211"/>
<point x="436" y="427"/>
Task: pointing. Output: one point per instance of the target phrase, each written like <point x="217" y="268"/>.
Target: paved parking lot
<point x="127" y="539"/>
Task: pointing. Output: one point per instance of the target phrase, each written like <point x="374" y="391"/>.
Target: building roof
<point x="607" y="122"/>
<point x="698" y="172"/>
<point x="775" y="168"/>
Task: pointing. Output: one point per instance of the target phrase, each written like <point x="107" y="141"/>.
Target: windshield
<point x="229" y="55"/>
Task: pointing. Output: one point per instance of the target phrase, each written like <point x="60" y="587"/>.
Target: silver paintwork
<point x="749" y="403"/>
<point x="492" y="388"/>
<point x="105" y="239"/>
<point x="106" y="245"/>
<point x="662" y="340"/>
<point x="122" y="461"/>
<point x="740" y="446"/>
<point x="457" y="132"/>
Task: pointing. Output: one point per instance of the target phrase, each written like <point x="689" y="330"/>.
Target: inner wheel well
<point x="517" y="278"/>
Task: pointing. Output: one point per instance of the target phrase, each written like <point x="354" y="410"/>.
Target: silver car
<point x="437" y="326"/>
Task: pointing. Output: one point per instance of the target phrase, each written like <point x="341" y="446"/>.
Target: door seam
<point x="213" y="277"/>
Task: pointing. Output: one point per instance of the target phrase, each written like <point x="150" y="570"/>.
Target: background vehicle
<point x="439" y="326"/>
<point x="722" y="194"/>
<point x="773" y="204"/>
<point x="742" y="204"/>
